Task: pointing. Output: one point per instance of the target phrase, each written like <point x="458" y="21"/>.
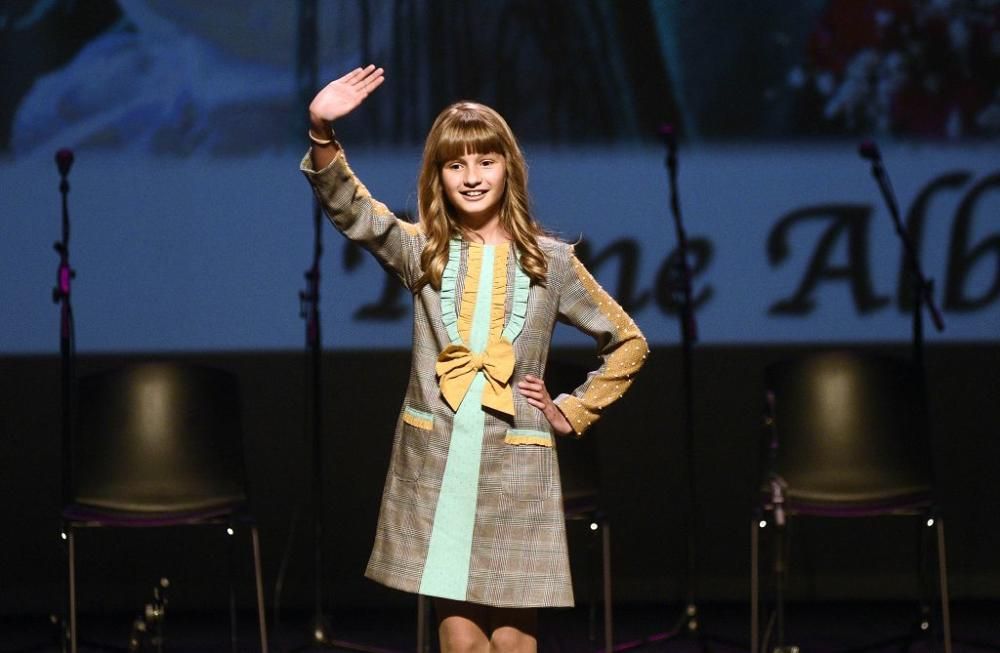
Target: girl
<point x="472" y="509"/>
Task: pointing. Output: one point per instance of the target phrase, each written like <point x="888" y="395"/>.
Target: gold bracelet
<point x="321" y="141"/>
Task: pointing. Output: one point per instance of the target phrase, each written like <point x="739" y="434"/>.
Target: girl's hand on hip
<point x="341" y="96"/>
<point x="533" y="389"/>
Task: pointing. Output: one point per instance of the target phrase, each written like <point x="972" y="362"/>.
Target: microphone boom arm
<point x="923" y="284"/>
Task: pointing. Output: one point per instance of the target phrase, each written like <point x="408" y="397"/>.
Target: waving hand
<point x="341" y="96"/>
<point x="336" y="100"/>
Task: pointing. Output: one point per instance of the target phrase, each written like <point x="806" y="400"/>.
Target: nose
<point x="472" y="177"/>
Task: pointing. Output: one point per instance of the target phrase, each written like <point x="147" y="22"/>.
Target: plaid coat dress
<point x="472" y="506"/>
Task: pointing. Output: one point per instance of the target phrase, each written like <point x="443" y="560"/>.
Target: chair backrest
<point x="848" y="429"/>
<point x="158" y="438"/>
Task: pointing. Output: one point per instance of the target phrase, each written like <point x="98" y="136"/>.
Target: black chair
<point x="845" y="436"/>
<point x="157" y="445"/>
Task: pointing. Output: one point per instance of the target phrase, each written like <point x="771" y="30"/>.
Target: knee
<point x="462" y="639"/>
<point x="508" y="639"/>
<point x="462" y="644"/>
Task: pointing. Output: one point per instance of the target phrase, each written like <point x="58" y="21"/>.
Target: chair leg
<point x="609" y="637"/>
<point x="422" y="624"/>
<point x="943" y="576"/>
<point x="780" y="577"/>
<point x="259" y="581"/>
<point x="754" y="587"/>
<point x="72" y="589"/>
<point x="234" y="645"/>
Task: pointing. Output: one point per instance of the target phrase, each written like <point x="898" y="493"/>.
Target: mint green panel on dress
<point x="446" y="569"/>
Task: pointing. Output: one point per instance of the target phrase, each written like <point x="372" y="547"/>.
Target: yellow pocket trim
<point x="418" y="418"/>
<point x="528" y="436"/>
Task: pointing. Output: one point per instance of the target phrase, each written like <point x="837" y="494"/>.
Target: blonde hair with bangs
<point x="473" y="128"/>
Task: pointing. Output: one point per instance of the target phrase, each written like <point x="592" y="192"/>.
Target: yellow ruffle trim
<point x="418" y="419"/>
<point x="470" y="289"/>
<point x="516" y="436"/>
<point x="499" y="300"/>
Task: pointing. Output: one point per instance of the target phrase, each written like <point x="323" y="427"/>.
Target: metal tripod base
<point x="320" y="638"/>
<point x="687" y="626"/>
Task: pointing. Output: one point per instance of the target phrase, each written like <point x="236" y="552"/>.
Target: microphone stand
<point x="307" y="74"/>
<point x="922" y="296"/>
<point x="61" y="295"/>
<point x="922" y="286"/>
<point x="67" y="353"/>
<point x="687" y="623"/>
<point x="309" y="310"/>
<point x="777" y="486"/>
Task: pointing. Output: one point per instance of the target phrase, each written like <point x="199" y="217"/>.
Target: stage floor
<point x="814" y="628"/>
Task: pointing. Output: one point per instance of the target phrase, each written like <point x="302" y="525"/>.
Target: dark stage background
<point x="192" y="228"/>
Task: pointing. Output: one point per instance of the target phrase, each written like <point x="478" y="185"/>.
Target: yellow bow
<point x="457" y="366"/>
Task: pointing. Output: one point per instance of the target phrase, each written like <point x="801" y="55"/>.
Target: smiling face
<point x="474" y="185"/>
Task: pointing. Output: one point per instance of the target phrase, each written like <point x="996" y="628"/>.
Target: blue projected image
<point x="191" y="225"/>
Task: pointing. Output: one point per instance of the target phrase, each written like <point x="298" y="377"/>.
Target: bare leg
<point x="472" y="628"/>
<point x="462" y="626"/>
<point x="514" y="630"/>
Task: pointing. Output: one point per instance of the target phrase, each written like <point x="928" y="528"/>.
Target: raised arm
<point x="351" y="208"/>
<point x="336" y="100"/>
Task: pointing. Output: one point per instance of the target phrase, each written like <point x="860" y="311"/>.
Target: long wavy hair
<point x="472" y="128"/>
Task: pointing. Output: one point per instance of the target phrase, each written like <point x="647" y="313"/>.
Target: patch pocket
<point x="412" y="449"/>
<point x="528" y="465"/>
<point x="418" y="418"/>
<point x="528" y="436"/>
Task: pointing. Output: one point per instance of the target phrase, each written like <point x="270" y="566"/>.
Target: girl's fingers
<point x="350" y="76"/>
<point x="362" y="72"/>
<point x="359" y="73"/>
<point x="370" y="81"/>
<point x="374" y="84"/>
<point x="367" y="72"/>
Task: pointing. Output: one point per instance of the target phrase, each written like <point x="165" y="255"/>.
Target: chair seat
<point x="170" y="504"/>
<point x="580" y="504"/>
<point x="898" y="506"/>
<point x="96" y="515"/>
<point x="853" y="504"/>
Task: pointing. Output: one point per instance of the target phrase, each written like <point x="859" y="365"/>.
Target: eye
<point x="454" y="165"/>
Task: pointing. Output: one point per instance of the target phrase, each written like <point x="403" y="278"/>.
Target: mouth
<point x="473" y="194"/>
